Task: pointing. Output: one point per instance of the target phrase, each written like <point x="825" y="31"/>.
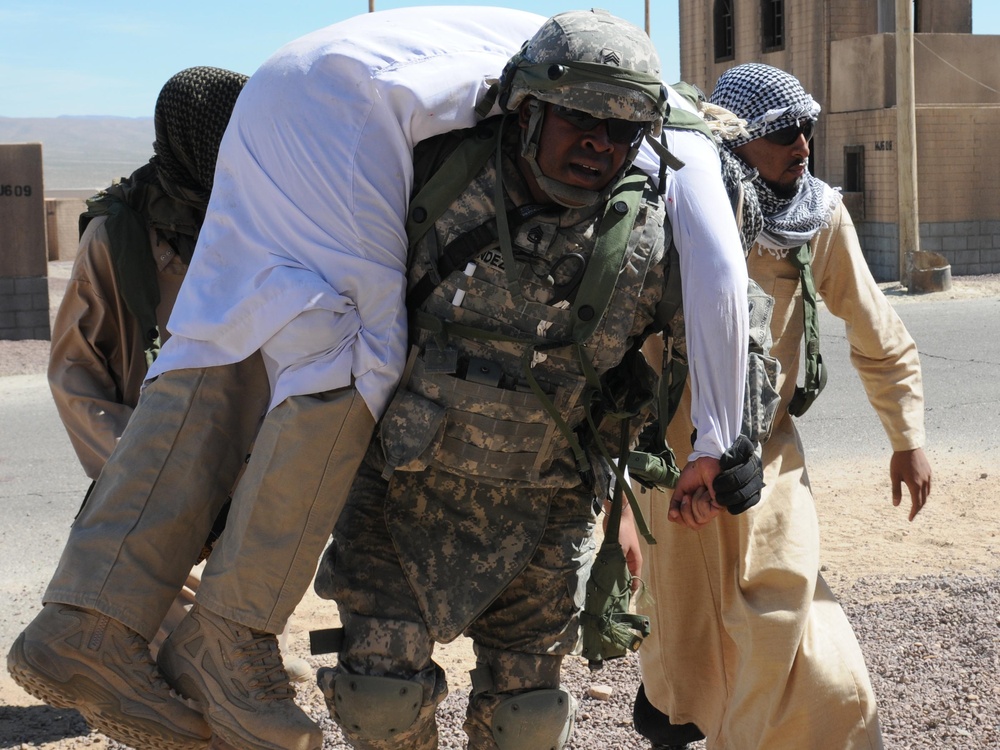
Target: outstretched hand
<point x="912" y="468"/>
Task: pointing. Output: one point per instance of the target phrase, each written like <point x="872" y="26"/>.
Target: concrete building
<point x="844" y="53"/>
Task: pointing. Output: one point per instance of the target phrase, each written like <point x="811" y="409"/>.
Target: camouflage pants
<point x="522" y="627"/>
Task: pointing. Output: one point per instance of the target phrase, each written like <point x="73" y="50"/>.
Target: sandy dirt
<point x="957" y="533"/>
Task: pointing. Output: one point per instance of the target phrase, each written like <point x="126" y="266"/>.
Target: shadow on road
<point x="29" y="726"/>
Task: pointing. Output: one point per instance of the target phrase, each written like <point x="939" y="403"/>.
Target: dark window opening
<point x="772" y="25"/>
<point x="854" y="169"/>
<point x="725" y="35"/>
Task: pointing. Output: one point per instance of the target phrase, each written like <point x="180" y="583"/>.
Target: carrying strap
<point x="601" y="278"/>
<point x="815" y="372"/>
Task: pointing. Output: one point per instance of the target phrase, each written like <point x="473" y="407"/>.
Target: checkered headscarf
<point x="770" y="99"/>
<point x="767" y="98"/>
<point x="191" y="115"/>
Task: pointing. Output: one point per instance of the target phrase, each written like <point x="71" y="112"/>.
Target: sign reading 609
<point x="15" y="191"/>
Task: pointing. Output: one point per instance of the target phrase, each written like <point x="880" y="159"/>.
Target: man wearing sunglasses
<point x="473" y="510"/>
<point x="751" y="647"/>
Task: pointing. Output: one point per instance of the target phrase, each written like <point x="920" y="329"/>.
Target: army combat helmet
<point x="589" y="61"/>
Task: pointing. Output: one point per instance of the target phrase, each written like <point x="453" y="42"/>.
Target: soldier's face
<point x="780" y="166"/>
<point x="583" y="158"/>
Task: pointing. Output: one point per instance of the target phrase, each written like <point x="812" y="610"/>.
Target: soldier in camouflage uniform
<point x="474" y="509"/>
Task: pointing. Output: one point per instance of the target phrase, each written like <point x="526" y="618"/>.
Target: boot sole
<point x="100" y="706"/>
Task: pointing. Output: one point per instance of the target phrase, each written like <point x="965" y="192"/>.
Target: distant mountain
<point x="83" y="153"/>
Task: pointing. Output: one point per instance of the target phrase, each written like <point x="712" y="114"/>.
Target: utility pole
<point x="647" y="19"/>
<point x="906" y="140"/>
<point x="371" y="6"/>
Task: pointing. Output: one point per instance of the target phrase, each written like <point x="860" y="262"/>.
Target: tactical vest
<point x="506" y="375"/>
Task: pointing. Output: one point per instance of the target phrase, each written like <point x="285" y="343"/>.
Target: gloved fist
<point x="738" y="485"/>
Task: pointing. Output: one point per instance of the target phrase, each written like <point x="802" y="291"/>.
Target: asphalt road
<point x="41" y="483"/>
<point x="959" y="344"/>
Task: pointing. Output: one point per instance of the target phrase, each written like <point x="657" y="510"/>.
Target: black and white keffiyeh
<point x="192" y="112"/>
<point x="769" y="99"/>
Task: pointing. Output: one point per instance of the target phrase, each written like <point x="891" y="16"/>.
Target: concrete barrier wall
<point x="24" y="293"/>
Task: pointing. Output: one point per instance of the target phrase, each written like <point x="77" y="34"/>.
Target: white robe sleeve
<point x="714" y="284"/>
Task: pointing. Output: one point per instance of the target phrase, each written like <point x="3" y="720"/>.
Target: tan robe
<point x="748" y="642"/>
<point x="98" y="362"/>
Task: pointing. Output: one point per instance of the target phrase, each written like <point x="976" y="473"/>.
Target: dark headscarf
<point x="191" y="115"/>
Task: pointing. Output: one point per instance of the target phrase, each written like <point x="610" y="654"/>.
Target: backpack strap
<point x="449" y="179"/>
<point x="600" y="279"/>
<point x="815" y="371"/>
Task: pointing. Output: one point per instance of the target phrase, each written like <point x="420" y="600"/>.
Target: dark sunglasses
<point x="788" y="136"/>
<point x="623" y="132"/>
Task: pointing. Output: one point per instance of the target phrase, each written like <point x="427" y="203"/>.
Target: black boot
<point x="655" y="726"/>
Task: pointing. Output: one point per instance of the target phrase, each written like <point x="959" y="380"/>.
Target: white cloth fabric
<point x="714" y="282"/>
<point x="303" y="251"/>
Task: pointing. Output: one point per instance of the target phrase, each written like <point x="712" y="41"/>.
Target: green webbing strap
<point x="615" y="514"/>
<point x="681" y="119"/>
<point x="605" y="264"/>
<point x="616" y="467"/>
<point x="684" y="120"/>
<point x="621" y="483"/>
<point x="815" y="373"/>
<point x="448" y="182"/>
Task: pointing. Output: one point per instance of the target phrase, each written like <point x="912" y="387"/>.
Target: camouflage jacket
<point x="466" y="404"/>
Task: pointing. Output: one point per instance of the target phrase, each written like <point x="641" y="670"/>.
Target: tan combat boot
<point x="80" y="659"/>
<point x="237" y="677"/>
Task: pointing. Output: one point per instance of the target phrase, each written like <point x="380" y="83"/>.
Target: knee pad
<point x="537" y="719"/>
<point x="373" y="708"/>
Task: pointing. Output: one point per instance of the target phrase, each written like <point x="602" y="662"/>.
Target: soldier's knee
<point x="373" y="708"/>
<point x="376" y="708"/>
<point x="534" y="720"/>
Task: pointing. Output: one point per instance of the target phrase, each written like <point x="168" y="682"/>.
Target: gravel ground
<point x="931" y="644"/>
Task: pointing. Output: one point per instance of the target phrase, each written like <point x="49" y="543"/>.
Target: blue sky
<point x="67" y="57"/>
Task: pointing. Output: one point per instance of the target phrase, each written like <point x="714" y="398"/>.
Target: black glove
<point x="738" y="486"/>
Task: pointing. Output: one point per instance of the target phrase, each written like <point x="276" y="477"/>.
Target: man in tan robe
<point x="748" y="644"/>
<point x="100" y="346"/>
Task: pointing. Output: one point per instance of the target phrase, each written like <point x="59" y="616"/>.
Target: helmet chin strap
<point x="569" y="196"/>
